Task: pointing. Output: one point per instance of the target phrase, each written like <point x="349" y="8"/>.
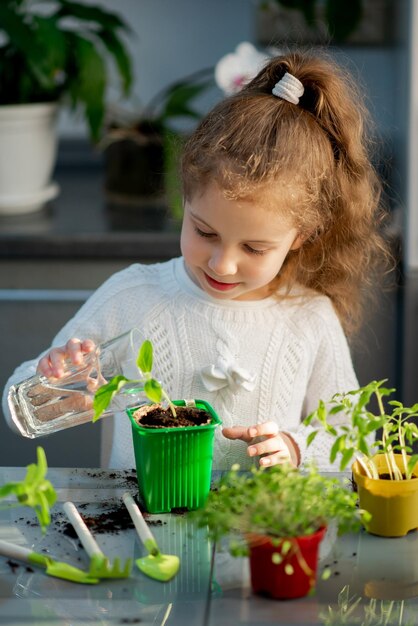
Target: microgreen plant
<point x="354" y="438"/>
<point x="146" y="383"/>
<point x="280" y="502"/>
<point x="34" y="490"/>
<point x="351" y="610"/>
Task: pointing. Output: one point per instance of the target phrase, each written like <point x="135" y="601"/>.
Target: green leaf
<point x="153" y="390"/>
<point x="7" y="489"/>
<point x="178" y="100"/>
<point x="326" y="573"/>
<point x="24" y="38"/>
<point x="346" y="457"/>
<point x="276" y="558"/>
<point x="89" y="83"/>
<point x="311" y="437"/>
<point x="95" y="14"/>
<point x="123" y="61"/>
<point x="104" y="395"/>
<point x="145" y="357"/>
<point x="35" y="491"/>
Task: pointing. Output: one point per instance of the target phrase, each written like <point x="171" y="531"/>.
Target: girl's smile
<point x="234" y="249"/>
<point x="216" y="284"/>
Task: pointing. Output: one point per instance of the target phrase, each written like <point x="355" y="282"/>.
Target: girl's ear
<point x="298" y="242"/>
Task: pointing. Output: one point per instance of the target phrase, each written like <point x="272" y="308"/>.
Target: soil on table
<point x="156" y="416"/>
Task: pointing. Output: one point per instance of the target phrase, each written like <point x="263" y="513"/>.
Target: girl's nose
<point x="223" y="263"/>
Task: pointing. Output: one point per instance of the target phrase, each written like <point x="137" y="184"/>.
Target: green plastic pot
<point x="174" y="465"/>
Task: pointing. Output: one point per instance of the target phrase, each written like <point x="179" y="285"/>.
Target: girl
<point x="279" y="241"/>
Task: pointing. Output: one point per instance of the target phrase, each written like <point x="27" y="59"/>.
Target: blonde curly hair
<point x="314" y="158"/>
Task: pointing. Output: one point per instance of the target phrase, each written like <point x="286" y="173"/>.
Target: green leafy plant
<point x="280" y="502"/>
<point x="146" y="383"/>
<point x="34" y="491"/>
<point x="51" y="49"/>
<point x="354" y="439"/>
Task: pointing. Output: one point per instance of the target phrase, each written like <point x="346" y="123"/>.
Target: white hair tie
<point x="289" y="88"/>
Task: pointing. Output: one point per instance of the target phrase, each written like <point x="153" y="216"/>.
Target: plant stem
<point x="404" y="458"/>
<point x="170" y="404"/>
<point x="365" y="462"/>
<point x="394" y="471"/>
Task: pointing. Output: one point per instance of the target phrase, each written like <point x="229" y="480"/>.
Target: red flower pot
<point x="271" y="579"/>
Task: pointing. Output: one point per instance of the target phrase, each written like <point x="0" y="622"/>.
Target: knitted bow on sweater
<point x="225" y="373"/>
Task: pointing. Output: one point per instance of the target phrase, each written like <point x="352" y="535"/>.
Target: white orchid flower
<point x="236" y="69"/>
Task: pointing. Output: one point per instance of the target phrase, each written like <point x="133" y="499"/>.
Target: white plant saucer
<point x="27" y="203"/>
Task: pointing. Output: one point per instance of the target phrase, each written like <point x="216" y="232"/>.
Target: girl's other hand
<point x="52" y="365"/>
<point x="276" y="447"/>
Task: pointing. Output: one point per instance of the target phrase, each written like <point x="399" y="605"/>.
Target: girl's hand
<point x="52" y="365"/>
<point x="277" y="447"/>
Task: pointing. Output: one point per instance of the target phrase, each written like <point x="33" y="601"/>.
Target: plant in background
<point x="341" y="18"/>
<point x="279" y="502"/>
<point x="56" y="49"/>
<point x="398" y="431"/>
<point x="34" y="491"/>
<point x="146" y="383"/>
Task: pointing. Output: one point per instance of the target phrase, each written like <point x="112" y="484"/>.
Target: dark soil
<point x="387" y="477"/>
<point x="156" y="416"/>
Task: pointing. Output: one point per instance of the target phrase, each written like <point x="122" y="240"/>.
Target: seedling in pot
<point x="353" y="440"/>
<point x="151" y="387"/>
<point x="34" y="491"/>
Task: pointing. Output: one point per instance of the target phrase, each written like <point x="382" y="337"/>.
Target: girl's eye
<point x="253" y="250"/>
<point x="202" y="233"/>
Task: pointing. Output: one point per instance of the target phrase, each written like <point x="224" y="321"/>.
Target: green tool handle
<point x="20" y="553"/>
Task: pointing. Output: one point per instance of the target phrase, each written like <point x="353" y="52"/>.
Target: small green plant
<point x="354" y="439"/>
<point x="34" y="491"/>
<point x="280" y="502"/>
<point x="146" y="383"/>
<point x="352" y="611"/>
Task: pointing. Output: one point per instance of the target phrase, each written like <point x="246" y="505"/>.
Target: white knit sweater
<point x="272" y="359"/>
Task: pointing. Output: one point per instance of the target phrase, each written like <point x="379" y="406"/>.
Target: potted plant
<point x="141" y="149"/>
<point x="278" y="517"/>
<point x="385" y="469"/>
<point x="50" y="53"/>
<point x="173" y="440"/>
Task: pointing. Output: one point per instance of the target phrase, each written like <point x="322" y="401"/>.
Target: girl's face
<point x="234" y="249"/>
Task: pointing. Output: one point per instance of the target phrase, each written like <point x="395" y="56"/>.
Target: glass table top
<point x="374" y="580"/>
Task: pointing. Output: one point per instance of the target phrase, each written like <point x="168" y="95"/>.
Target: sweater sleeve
<point x="332" y="372"/>
<point x="100" y="318"/>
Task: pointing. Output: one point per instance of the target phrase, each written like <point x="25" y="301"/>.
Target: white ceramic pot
<point x="28" y="147"/>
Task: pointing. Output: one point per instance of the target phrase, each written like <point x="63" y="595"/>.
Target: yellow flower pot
<point x="393" y="504"/>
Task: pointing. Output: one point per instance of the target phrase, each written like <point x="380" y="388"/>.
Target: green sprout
<point x="34" y="491"/>
<point x="149" y="385"/>
<point x="353" y="440"/>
